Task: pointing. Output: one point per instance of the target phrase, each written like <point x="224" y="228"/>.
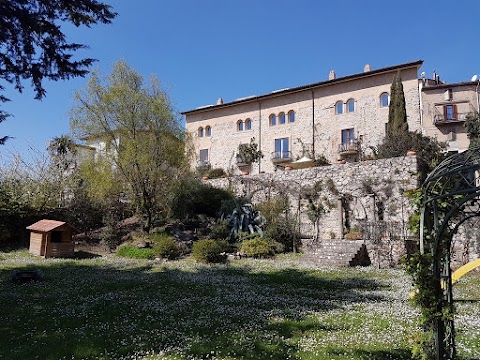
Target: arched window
<point x="350" y="105"/>
<point x="240" y="125"/>
<point x="384" y="100"/>
<point x="208" y="131"/>
<point x="291" y="116"/>
<point x="248" y="124"/>
<point x="200" y="132"/>
<point x="339" y="107"/>
<point x="273" y="120"/>
<point x="281" y="118"/>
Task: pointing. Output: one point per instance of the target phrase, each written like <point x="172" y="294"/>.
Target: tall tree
<point x="33" y="46"/>
<point x="397" y="113"/>
<point x="144" y="139"/>
<point x="472" y="126"/>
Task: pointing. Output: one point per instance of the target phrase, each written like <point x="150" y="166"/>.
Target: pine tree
<point x="397" y="114"/>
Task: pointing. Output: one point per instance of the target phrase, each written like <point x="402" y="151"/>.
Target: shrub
<point x="164" y="246"/>
<point x="353" y="235"/>
<point x="220" y="231"/>
<point x="207" y="251"/>
<point x="283" y="232"/>
<point x="216" y="173"/>
<point x="257" y="248"/>
<point x="133" y="252"/>
<point x="192" y="198"/>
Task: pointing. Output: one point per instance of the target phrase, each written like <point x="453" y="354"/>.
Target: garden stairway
<point x="336" y="252"/>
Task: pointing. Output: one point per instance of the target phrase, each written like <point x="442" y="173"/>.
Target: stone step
<point x="337" y="253"/>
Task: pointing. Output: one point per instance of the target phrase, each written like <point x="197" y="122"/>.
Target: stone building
<point x="340" y="118"/>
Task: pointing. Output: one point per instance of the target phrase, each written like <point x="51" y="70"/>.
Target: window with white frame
<point x="282" y="148"/>
<point x="384" y="99"/>
<point x="339" y="107"/>
<point x="291" y="116"/>
<point x="281" y="118"/>
<point x="248" y="124"/>
<point x="350" y="105"/>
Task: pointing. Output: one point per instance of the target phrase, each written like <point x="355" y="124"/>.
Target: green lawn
<point x="112" y="308"/>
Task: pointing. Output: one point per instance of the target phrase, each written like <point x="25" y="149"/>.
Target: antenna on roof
<point x="474" y="78"/>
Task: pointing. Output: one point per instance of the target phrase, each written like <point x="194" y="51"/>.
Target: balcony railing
<point x="441" y="119"/>
<point x="350" y="148"/>
<point x="242" y="161"/>
<point x="281" y="156"/>
<point x="203" y="165"/>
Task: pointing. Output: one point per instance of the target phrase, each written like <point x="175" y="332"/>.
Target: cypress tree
<point x="397" y="113"/>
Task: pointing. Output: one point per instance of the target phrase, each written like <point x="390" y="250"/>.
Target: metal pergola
<point x="451" y="196"/>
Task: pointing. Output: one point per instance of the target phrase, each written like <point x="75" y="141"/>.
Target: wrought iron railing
<point x="440" y="119"/>
<point x="281" y="156"/>
<point x="350" y="147"/>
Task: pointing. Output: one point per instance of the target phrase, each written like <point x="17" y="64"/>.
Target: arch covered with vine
<point x="450" y="196"/>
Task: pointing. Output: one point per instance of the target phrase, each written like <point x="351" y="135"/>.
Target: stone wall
<point x="357" y="197"/>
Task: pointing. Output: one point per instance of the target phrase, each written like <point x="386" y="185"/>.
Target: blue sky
<point x="203" y="50"/>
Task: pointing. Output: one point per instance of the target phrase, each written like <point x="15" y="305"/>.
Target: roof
<point x="445" y="86"/>
<point x="48" y="225"/>
<point x="417" y="64"/>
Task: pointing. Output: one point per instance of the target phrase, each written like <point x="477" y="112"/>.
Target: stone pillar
<point x="340" y="216"/>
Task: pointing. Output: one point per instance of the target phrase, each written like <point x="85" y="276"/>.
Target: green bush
<point x="257" y="248"/>
<point x="216" y="173"/>
<point x="220" y="231"/>
<point x="164" y="246"/>
<point x="283" y="232"/>
<point x="133" y="252"/>
<point x="208" y="251"/>
<point x="191" y="198"/>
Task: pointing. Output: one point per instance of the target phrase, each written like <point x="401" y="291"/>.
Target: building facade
<point x="339" y="119"/>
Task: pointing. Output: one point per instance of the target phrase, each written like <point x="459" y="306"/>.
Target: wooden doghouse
<point x="51" y="238"/>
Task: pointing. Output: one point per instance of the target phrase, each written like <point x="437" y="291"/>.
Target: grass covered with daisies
<point x="114" y="308"/>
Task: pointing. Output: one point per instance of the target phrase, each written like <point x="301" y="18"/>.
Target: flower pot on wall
<point x="288" y="168"/>
<point x="245" y="172"/>
<point x="411" y="153"/>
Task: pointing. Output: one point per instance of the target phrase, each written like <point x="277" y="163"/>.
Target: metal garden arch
<point x="451" y="195"/>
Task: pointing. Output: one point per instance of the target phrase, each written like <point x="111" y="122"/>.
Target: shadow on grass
<point x="89" y="309"/>
<point x="361" y="354"/>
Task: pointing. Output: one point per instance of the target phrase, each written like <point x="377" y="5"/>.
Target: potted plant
<point x="248" y="153"/>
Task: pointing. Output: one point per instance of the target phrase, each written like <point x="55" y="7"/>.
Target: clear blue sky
<point x="203" y="50"/>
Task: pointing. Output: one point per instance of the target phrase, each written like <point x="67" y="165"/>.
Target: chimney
<point x="367" y="68"/>
<point x="331" y="75"/>
<point x="219" y="101"/>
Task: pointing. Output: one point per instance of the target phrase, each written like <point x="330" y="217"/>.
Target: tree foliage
<point x="33" y="46"/>
<point x="472" y="125"/>
<point x="144" y="154"/>
<point x="397" y="113"/>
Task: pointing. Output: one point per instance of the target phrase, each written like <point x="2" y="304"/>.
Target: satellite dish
<point x="474" y="78"/>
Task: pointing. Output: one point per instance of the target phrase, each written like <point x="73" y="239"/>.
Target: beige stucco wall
<point x="315" y="104"/>
<point x="433" y="101"/>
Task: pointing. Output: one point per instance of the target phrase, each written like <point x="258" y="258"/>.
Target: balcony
<point x="242" y="161"/>
<point x="441" y="119"/>
<point x="203" y="166"/>
<point x="279" y="157"/>
<point x="350" y="148"/>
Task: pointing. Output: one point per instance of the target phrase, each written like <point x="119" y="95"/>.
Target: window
<point x="200" y="132"/>
<point x="291" y="116"/>
<point x="450" y="112"/>
<point x="281" y="118"/>
<point x="273" y="120"/>
<point x="240" y="125"/>
<point x="348" y="136"/>
<point x="281" y="148"/>
<point x="208" y="131"/>
<point x="384" y="100"/>
<point x="248" y="124"/>
<point x="339" y="107"/>
<point x="204" y="156"/>
<point x="350" y="105"/>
